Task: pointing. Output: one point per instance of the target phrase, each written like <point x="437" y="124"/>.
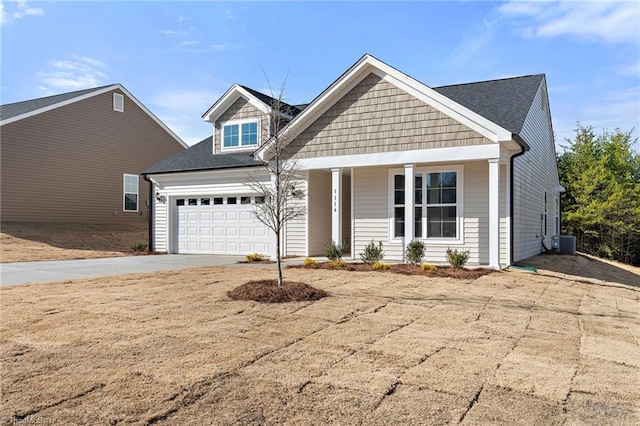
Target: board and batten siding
<point x="319" y="211"/>
<point x="376" y="116"/>
<point x="371" y="214"/>
<point x="239" y="110"/>
<point x="67" y="164"/>
<point x="534" y="173"/>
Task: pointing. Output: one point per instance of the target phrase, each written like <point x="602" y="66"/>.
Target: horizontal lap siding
<point x="371" y="214"/>
<point x="67" y="164"/>
<point x="240" y="110"/>
<point x="504" y="220"/>
<point x="376" y="116"/>
<point x="160" y="226"/>
<point x="535" y="172"/>
<point x="476" y="216"/>
<point x="319" y="213"/>
<point x="296" y="229"/>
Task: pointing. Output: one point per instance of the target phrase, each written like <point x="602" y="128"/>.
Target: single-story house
<point x="382" y="157"/>
<point x="77" y="157"/>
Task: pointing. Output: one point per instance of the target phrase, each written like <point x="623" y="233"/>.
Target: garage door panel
<point x="219" y="228"/>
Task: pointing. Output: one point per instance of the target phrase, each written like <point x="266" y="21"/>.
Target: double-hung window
<point x="240" y="135"/>
<point x="436" y="201"/>
<point x="130" y="202"/>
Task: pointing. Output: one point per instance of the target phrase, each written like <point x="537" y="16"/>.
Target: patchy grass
<point x="268" y="291"/>
<point x="172" y="348"/>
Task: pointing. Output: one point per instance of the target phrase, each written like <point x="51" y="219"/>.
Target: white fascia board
<point x="233" y="94"/>
<point x="208" y="176"/>
<point x="432" y="155"/>
<point x="90" y="95"/>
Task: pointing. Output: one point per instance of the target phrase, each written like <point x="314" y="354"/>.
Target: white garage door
<point x="220" y="225"/>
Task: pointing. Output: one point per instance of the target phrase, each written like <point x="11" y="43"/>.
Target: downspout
<point x="524" y="147"/>
<point x="151" y="247"/>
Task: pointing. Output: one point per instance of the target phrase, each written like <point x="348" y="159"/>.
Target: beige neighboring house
<point x="383" y="157"/>
<point x="78" y="156"/>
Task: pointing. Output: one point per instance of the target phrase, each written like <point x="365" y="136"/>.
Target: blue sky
<point x="177" y="58"/>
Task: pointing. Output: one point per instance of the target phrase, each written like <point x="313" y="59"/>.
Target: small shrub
<point x="456" y="258"/>
<point x="139" y="246"/>
<point x="310" y="263"/>
<point x="334" y="251"/>
<point x="427" y="267"/>
<point x="254" y="257"/>
<point x="337" y="263"/>
<point x="372" y="254"/>
<point x="380" y="266"/>
<point x="415" y="252"/>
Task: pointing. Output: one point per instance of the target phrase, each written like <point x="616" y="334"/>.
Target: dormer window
<point x="240" y="134"/>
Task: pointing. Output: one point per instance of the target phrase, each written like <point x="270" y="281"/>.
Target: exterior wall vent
<point x="118" y="102"/>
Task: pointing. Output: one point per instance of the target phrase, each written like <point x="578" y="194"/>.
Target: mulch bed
<point x="405" y="269"/>
<point x="148" y="253"/>
<point x="266" y="261"/>
<point x="267" y="291"/>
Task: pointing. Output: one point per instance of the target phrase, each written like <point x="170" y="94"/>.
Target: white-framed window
<point x="130" y="189"/>
<point x="118" y="102"/>
<point x="240" y="134"/>
<point x="437" y="201"/>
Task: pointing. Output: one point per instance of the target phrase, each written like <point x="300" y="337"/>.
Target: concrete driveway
<point x="63" y="270"/>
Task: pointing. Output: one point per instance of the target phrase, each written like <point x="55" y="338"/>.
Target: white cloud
<point x="3" y="14"/>
<point x="24" y="10"/>
<point x="189" y="43"/>
<point x="169" y="32"/>
<point x="632" y="68"/>
<point x="608" y="21"/>
<point x="79" y="72"/>
<point x="618" y="108"/>
<point x="228" y="14"/>
<point x="219" y="47"/>
<point x="473" y="42"/>
<point x="182" y="18"/>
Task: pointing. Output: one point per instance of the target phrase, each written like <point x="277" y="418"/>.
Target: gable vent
<point x="118" y="102"/>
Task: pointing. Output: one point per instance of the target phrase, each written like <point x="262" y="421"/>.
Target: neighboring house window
<point x="239" y="135"/>
<point x="557" y="214"/>
<point x="436" y="215"/>
<point x="118" y="102"/>
<point x="130" y="193"/>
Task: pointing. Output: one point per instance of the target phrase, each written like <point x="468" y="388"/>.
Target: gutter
<point x="524" y="147"/>
<point x="151" y="248"/>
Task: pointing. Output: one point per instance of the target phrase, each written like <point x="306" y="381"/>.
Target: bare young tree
<point x="281" y="193"/>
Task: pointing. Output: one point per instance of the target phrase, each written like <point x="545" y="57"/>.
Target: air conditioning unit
<point x="563" y="244"/>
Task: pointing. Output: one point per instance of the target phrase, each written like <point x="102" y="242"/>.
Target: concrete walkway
<point x="63" y="270"/>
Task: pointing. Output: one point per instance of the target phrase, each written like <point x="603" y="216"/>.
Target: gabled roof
<point x="368" y="64"/>
<point x="18" y="108"/>
<point x="10" y="113"/>
<point x="259" y="100"/>
<point x="199" y="157"/>
<point x="506" y="101"/>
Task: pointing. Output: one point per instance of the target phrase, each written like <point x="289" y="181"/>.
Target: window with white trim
<point x="436" y="215"/>
<point x="118" y="102"/>
<point x="130" y="189"/>
<point x="240" y="134"/>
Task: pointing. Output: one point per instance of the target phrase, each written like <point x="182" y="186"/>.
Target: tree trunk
<point x="278" y="259"/>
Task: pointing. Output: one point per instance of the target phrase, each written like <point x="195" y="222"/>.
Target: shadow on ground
<point x="79" y="236"/>
<point x="587" y="267"/>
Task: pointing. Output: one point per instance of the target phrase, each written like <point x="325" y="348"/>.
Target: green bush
<point x="372" y="253"/>
<point x="334" y="251"/>
<point x="415" y="252"/>
<point x="380" y="266"/>
<point x="456" y="258"/>
<point x="139" y="246"/>
<point x="254" y="257"/>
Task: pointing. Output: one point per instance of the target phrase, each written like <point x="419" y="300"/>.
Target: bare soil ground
<point x="29" y="241"/>
<point x="173" y="349"/>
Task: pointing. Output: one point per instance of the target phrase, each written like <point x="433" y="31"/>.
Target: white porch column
<point x="494" y="213"/>
<point x="336" y="205"/>
<point x="408" y="204"/>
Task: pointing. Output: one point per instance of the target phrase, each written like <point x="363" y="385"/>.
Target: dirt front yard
<point x="172" y="348"/>
<point x="29" y="241"/>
